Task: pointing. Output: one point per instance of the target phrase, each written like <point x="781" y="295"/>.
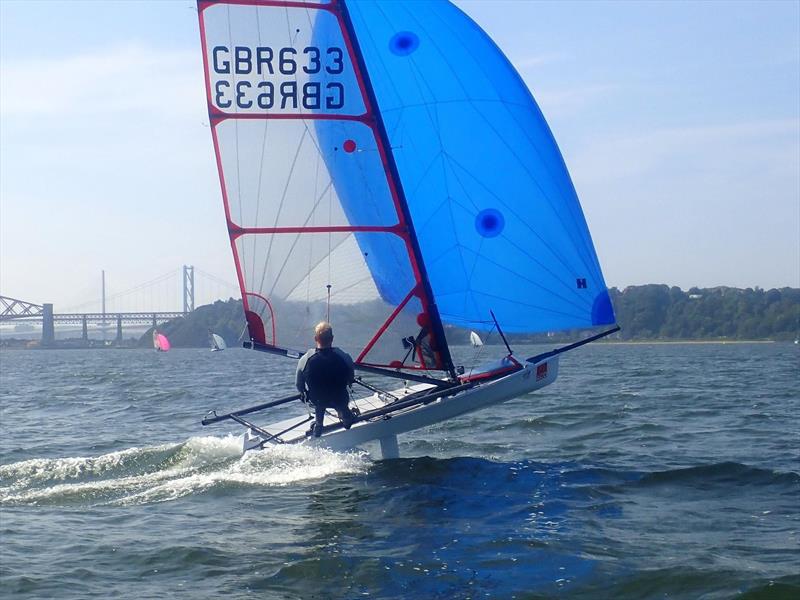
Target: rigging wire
<point x="217" y="280"/>
<point x="330" y="242"/>
<point x="137" y="288"/>
<point x="478" y="350"/>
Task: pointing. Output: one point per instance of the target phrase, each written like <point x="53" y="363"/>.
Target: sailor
<point x="323" y="375"/>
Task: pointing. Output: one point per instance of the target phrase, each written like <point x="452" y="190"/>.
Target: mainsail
<point x="383" y="166"/>
<point x="217" y="342"/>
<point x="475" y="339"/>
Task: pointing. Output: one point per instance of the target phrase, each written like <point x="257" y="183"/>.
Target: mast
<point x="383" y="138"/>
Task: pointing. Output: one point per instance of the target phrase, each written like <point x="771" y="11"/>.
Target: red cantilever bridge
<point x="13" y="309"/>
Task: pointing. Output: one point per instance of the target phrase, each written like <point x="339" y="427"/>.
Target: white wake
<point x="167" y="472"/>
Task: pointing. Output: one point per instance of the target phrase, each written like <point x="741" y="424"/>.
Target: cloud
<point x="126" y="78"/>
<point x="566" y="101"/>
<point x="125" y="108"/>
<point x="731" y="150"/>
<point x="536" y="60"/>
<point x="96" y="149"/>
<point x="703" y="205"/>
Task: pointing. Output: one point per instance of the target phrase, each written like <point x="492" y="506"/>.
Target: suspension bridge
<point x="145" y="305"/>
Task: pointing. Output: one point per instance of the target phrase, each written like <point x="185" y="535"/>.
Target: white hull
<point x="385" y="429"/>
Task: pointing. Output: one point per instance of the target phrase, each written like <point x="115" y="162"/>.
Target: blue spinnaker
<point x="384" y="167"/>
<point x="498" y="222"/>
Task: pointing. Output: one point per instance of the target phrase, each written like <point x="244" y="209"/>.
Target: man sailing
<point x="323" y="375"/>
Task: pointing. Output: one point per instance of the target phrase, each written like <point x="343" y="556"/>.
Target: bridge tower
<point x="103" y="301"/>
<point x="188" y="289"/>
<point x="48" y="326"/>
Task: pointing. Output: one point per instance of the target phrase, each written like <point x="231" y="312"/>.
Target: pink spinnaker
<point x="163" y="342"/>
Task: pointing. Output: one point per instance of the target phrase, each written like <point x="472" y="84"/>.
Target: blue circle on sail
<point x="404" y="43"/>
<point x="490" y="222"/>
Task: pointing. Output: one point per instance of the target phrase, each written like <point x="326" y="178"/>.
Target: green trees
<point x="660" y="312"/>
<point x="645" y="312"/>
<point x="224" y="318"/>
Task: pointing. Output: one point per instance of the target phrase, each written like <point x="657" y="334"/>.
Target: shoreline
<point x="603" y="342"/>
<point x="637" y="342"/>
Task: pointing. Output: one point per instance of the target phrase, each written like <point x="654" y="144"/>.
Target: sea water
<point x="645" y="471"/>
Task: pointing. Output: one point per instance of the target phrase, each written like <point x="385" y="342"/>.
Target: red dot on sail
<point x="349" y="146"/>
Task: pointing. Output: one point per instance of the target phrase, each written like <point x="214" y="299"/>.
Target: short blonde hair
<point x="323" y="333"/>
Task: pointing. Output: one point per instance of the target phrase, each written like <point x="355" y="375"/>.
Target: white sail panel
<point x="278" y="59"/>
<point x="279" y="173"/>
<point x="317" y="221"/>
<point x="288" y="290"/>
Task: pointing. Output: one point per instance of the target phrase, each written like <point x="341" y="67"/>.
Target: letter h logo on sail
<point x="581" y="283"/>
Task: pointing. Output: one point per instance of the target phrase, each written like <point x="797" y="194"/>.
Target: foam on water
<point x="166" y="472"/>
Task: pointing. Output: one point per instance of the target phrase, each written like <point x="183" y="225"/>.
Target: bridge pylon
<point x="188" y="289"/>
<point x="48" y="325"/>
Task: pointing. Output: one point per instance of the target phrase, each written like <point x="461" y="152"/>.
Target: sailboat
<point x="384" y="167"/>
<point x="160" y="342"/>
<point x="217" y="342"/>
<point x="475" y="339"/>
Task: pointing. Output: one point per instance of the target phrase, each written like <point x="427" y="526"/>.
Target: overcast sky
<point x="679" y="123"/>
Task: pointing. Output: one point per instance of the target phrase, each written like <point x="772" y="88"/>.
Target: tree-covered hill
<point x="224" y="318"/>
<point x="663" y="312"/>
<point x="646" y="312"/>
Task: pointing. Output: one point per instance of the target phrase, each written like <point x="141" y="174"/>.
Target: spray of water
<point x="167" y="472"/>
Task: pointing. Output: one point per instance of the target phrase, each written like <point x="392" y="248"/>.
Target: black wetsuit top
<point x="325" y="373"/>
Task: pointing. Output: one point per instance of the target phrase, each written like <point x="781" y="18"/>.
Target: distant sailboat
<point x="384" y="167"/>
<point x="217" y="343"/>
<point x="160" y="342"/>
<point x="475" y="339"/>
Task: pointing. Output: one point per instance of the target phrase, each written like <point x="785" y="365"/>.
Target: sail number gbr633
<point x="278" y="79"/>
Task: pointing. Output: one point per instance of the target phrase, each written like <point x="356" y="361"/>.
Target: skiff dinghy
<point x="384" y="167"/>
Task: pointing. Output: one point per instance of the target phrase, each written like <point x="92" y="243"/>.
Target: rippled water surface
<point x="645" y="471"/>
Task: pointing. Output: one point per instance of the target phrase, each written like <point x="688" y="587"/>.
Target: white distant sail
<point x="475" y="339"/>
<point x="217" y="343"/>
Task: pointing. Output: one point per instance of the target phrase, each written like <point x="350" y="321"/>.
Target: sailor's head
<point x="323" y="335"/>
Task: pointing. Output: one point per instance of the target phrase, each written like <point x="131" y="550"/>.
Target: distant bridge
<point x="20" y="310"/>
<point x="16" y="310"/>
